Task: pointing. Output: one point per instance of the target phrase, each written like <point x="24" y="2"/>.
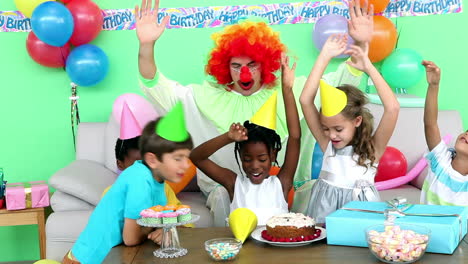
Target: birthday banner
<point x="276" y="14"/>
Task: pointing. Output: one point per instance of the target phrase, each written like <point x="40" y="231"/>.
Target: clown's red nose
<point x="245" y="75"/>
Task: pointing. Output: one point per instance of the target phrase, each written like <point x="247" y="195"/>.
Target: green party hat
<point x="172" y="125"/>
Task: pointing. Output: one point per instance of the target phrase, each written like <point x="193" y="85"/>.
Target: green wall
<point x="35" y="133"/>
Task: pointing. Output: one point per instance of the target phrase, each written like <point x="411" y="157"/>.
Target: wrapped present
<point x="448" y="224"/>
<point x="27" y="195"/>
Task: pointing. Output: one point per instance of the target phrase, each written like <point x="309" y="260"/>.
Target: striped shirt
<point x="443" y="185"/>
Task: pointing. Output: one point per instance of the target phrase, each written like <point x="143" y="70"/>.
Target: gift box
<point x="27" y="195"/>
<point x="448" y="224"/>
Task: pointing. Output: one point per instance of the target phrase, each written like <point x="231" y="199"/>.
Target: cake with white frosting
<point x="290" y="225"/>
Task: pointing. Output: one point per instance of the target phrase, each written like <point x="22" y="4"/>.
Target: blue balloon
<point x="317" y="158"/>
<point x="52" y="23"/>
<point x="87" y="65"/>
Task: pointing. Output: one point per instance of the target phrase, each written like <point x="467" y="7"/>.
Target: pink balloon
<point x="139" y="106"/>
<point x="411" y="175"/>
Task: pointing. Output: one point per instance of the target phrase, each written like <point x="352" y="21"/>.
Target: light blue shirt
<point x="133" y="191"/>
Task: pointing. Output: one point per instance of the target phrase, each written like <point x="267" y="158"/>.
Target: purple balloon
<point x="327" y="26"/>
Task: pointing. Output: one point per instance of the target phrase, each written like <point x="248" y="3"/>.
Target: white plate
<point x="257" y="235"/>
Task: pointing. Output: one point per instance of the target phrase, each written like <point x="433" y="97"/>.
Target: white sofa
<point x="79" y="185"/>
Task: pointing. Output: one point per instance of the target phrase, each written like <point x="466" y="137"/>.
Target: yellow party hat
<point x="242" y="222"/>
<point x="333" y="100"/>
<point x="266" y="115"/>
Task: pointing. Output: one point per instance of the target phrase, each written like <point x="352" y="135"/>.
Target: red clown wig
<point x="253" y="39"/>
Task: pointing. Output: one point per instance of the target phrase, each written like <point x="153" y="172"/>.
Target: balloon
<point x="403" y="68"/>
<point x="317" y="159"/>
<point x="46" y="261"/>
<point x="274" y="170"/>
<point x="44" y="54"/>
<point x="290" y="198"/>
<point x="52" y="23"/>
<point x="87" y="65"/>
<point x="379" y="5"/>
<point x="328" y="25"/>
<point x="242" y="222"/>
<point x="27" y="6"/>
<point x="411" y="175"/>
<point x="139" y="106"/>
<point x="384" y="39"/>
<point x="188" y="176"/>
<point x="392" y="164"/>
<point x="88" y="20"/>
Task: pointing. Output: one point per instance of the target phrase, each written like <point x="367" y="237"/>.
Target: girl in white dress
<point x="344" y="132"/>
<point x="257" y="146"/>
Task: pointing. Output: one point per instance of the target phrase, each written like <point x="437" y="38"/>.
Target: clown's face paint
<point x="246" y="75"/>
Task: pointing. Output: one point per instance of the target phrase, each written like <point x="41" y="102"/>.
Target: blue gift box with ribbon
<point x="448" y="224"/>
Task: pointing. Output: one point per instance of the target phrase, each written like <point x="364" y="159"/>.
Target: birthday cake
<point x="168" y="214"/>
<point x="290" y="227"/>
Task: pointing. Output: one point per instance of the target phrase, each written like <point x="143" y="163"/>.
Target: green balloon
<point x="403" y="68"/>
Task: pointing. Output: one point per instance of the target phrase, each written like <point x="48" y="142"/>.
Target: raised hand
<point x="237" y="132"/>
<point x="361" y="24"/>
<point x="287" y="73"/>
<point x="432" y="72"/>
<point x="359" y="57"/>
<point x="335" y="45"/>
<point x="147" y="28"/>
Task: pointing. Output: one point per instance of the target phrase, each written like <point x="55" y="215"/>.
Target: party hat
<point x="172" y="125"/>
<point x="242" y="222"/>
<point x="129" y="127"/>
<point x="266" y="115"/>
<point x="333" y="100"/>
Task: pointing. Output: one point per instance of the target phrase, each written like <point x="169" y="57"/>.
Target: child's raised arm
<point x="200" y="156"/>
<point x="286" y="174"/>
<point x="390" y="103"/>
<point x="431" y="129"/>
<point x="334" y="46"/>
<point x="148" y="32"/>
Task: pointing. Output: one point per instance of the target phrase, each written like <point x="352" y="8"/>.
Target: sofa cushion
<point x="197" y="202"/>
<point x="63" y="229"/>
<point x="84" y="179"/>
<point x="411" y="193"/>
<point x="61" y="201"/>
<point x="111" y="135"/>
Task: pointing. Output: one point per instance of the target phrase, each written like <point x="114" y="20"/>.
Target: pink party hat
<point x="129" y="127"/>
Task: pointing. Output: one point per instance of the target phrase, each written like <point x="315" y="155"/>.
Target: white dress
<point x="341" y="180"/>
<point x="265" y="199"/>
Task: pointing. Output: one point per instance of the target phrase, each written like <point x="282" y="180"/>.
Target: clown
<point x="243" y="62"/>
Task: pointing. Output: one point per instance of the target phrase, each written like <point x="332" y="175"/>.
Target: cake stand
<point x="170" y="246"/>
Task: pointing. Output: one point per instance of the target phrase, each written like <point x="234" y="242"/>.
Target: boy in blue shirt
<point x="165" y="146"/>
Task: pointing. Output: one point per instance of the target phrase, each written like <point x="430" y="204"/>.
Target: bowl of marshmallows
<point x="398" y="243"/>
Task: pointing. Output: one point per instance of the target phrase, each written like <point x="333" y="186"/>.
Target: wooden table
<point x="257" y="252"/>
<point x="33" y="216"/>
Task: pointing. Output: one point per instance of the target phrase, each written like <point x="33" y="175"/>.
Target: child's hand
<point x="156" y="236"/>
<point x="432" y="72"/>
<point x="237" y="132"/>
<point x="361" y="24"/>
<point x="335" y="45"/>
<point x="359" y="57"/>
<point x="287" y="73"/>
<point x="147" y="28"/>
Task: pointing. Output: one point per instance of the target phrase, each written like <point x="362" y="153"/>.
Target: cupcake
<point x="170" y="207"/>
<point x="169" y="218"/>
<point x="185" y="214"/>
<point x="151" y="217"/>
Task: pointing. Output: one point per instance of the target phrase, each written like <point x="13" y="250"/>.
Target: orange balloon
<point x="290" y="198"/>
<point x="384" y="39"/>
<point x="188" y="176"/>
<point x="379" y="5"/>
<point x="274" y="170"/>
